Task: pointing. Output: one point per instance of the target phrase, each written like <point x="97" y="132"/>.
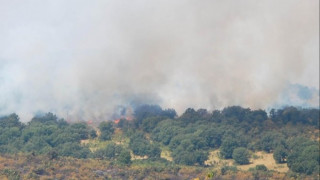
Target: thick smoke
<point x="85" y="58"/>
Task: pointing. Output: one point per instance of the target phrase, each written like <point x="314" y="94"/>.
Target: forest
<point x="168" y="143"/>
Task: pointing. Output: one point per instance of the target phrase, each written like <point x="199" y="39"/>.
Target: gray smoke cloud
<point x="83" y="58"/>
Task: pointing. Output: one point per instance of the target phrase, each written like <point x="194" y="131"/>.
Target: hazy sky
<point x="85" y="57"/>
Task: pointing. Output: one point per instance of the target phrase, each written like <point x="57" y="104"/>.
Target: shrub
<point x="261" y="167"/>
<point x="124" y="157"/>
<point x="241" y="155"/>
<point x="280" y="154"/>
<point x="305" y="160"/>
<point x="93" y="134"/>
<point x="227" y="147"/>
<point x="225" y="169"/>
<point x="106" y="129"/>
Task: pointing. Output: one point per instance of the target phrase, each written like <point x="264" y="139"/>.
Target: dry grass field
<point x="260" y="158"/>
<point x="266" y="159"/>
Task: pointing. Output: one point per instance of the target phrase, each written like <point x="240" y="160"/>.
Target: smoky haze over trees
<point x="81" y="59"/>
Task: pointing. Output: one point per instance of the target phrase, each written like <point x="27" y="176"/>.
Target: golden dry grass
<point x="166" y="154"/>
<point x="71" y="168"/>
<point x="136" y="157"/>
<point x="266" y="159"/>
<point x="263" y="158"/>
<point x="215" y="160"/>
<point x="118" y="138"/>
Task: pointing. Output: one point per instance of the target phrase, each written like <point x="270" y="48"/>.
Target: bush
<point x="182" y="156"/>
<point x="241" y="155"/>
<point x="106" y="129"/>
<point x="124" y="157"/>
<point x="142" y="147"/>
<point x="227" y="147"/>
<point x="225" y="169"/>
<point x="280" y="154"/>
<point x="73" y="150"/>
<point x="108" y="152"/>
<point x="114" y="152"/>
<point x="93" y="134"/>
<point x="261" y="167"/>
<point x="304" y="160"/>
<point x="270" y="140"/>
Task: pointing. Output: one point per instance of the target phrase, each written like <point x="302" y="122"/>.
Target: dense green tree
<point x="227" y="147"/>
<point x="311" y="152"/>
<point x="304" y="159"/>
<point x="165" y="131"/>
<point x="280" y="154"/>
<point x="143" y="111"/>
<point x="270" y="140"/>
<point x="236" y="112"/>
<point x="48" y="118"/>
<point x="187" y="157"/>
<point x="43" y="134"/>
<point x="37" y="144"/>
<point x="169" y="113"/>
<point x="106" y="130"/>
<point x="113" y="152"/>
<point x="190" y="116"/>
<point x="153" y="151"/>
<point x="149" y="123"/>
<point x="110" y="151"/>
<point x="73" y="150"/>
<point x="10" y="121"/>
<point x="188" y="141"/>
<point x="124" y="157"/>
<point x="241" y="155"/>
<point x="9" y="134"/>
<point x="81" y="129"/>
<point x="212" y="136"/>
<point x="142" y="147"/>
<point x="216" y="116"/>
<point x="295" y="115"/>
<point x="93" y="133"/>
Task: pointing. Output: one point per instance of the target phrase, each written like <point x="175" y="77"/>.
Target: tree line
<point x="235" y="131"/>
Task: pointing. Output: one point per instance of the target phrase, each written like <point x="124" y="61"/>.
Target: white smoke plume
<point x="83" y="58"/>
